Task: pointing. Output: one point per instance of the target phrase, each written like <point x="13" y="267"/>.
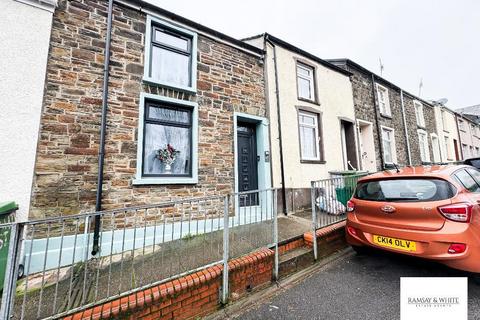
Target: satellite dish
<point x="442" y="101"/>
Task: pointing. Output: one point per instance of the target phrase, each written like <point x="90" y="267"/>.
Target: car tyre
<point x="360" y="250"/>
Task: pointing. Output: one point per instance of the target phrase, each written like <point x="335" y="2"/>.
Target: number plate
<point x="400" y="244"/>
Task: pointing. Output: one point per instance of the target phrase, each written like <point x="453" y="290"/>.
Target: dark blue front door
<point x="247" y="163"/>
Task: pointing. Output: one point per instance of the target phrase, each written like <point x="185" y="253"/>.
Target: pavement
<point x="348" y="288"/>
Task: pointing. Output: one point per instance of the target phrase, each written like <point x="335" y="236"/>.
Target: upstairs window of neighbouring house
<point x="170" y="58"/>
<point x="388" y="143"/>
<point x="383" y="101"/>
<point x="309" y="130"/>
<point x="423" y="144"/>
<point x="461" y="125"/>
<point x="167" y="144"/>
<point x="419" y="114"/>
<point x="305" y="82"/>
<point x="444" y="120"/>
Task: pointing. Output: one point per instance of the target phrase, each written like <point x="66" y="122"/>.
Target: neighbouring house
<point x="312" y="118"/>
<point x="186" y="114"/>
<point x="469" y="135"/>
<point x="25" y="36"/>
<point x="472" y="112"/>
<point x="447" y="133"/>
<point x="394" y="126"/>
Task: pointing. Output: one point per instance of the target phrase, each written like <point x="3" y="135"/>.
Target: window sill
<point x="309" y="101"/>
<point x="386" y="115"/>
<point x="152" y="81"/>
<point x="421" y="127"/>
<point x="446" y="131"/>
<point x="313" y="161"/>
<point x="164" y="181"/>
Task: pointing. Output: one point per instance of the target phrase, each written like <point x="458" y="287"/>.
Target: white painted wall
<point x="336" y="101"/>
<point x="24" y="37"/>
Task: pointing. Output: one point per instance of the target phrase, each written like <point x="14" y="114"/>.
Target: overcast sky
<point x="434" y="40"/>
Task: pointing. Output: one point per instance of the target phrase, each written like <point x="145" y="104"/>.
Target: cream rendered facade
<point x="334" y="105"/>
<point x="25" y="37"/>
<point x="447" y="133"/>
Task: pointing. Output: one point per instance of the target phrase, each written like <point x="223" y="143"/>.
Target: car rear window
<point x="405" y="190"/>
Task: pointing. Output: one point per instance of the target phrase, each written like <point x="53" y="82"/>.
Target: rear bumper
<point x="430" y="244"/>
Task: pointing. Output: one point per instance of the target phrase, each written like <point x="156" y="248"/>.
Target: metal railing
<point x="328" y="201"/>
<point x="141" y="247"/>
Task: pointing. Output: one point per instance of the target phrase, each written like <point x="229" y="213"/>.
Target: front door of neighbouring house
<point x="247" y="163"/>
<point x="367" y="147"/>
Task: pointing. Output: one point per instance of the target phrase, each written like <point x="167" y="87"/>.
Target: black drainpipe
<point x="379" y="131"/>
<point x="279" y="124"/>
<point x="103" y="128"/>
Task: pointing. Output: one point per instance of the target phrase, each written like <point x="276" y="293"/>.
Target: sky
<point x="436" y="42"/>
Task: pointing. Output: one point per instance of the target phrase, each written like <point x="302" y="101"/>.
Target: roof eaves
<point x="306" y="54"/>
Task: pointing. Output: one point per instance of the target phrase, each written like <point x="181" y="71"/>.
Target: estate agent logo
<point x="433" y="298"/>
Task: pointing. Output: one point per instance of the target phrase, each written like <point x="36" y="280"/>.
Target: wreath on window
<point x="167" y="155"/>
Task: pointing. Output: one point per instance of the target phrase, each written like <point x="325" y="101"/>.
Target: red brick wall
<point x="191" y="296"/>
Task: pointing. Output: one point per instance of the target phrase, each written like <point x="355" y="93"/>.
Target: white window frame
<point x="444" y="120"/>
<point x="419" y="113"/>
<point x="446" y="143"/>
<point x="392" y="143"/>
<point x="387" y="112"/>
<point x="139" y="178"/>
<point x="465" y="151"/>
<point x="426" y="150"/>
<point x="316" y="127"/>
<point x="461" y="125"/>
<point x="436" y="157"/>
<point x="310" y="79"/>
<point x="151" y="20"/>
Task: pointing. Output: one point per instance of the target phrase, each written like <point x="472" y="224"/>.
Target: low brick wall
<point x="190" y="296"/>
<point x="329" y="239"/>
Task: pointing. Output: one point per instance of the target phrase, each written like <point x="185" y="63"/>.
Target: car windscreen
<point x="405" y="190"/>
<point x="473" y="162"/>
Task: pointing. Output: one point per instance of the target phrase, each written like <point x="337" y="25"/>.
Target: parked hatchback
<point x="430" y="212"/>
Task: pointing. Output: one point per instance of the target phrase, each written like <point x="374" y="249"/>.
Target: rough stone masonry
<point x="228" y="80"/>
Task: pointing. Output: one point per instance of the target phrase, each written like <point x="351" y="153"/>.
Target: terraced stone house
<point x="394" y="126"/>
<point x="185" y="114"/>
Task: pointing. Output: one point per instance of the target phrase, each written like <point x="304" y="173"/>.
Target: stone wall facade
<point x="364" y="100"/>
<point x="228" y="80"/>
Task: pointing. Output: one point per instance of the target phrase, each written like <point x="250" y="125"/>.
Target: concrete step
<point x="295" y="260"/>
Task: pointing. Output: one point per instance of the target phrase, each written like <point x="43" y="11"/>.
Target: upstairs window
<point x="170" y="55"/>
<point x="419" y="114"/>
<point x="305" y="82"/>
<point x="444" y="119"/>
<point x="383" y="101"/>
<point x="461" y="125"/>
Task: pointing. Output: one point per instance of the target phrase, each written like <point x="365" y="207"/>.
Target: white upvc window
<point x="383" y="100"/>
<point x="170" y="55"/>
<point x="388" y="145"/>
<point x="309" y="130"/>
<point x="167" y="148"/>
<point x="446" y="141"/>
<point x="419" y="113"/>
<point x="466" y="155"/>
<point x="423" y="144"/>
<point x="444" y="119"/>
<point x="435" y="148"/>
<point x="461" y="125"/>
<point x="305" y="81"/>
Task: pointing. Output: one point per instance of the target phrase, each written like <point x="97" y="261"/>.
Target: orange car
<point x="430" y="212"/>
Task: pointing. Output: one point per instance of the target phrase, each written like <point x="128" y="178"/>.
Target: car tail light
<point x="352" y="231"/>
<point x="460" y="212"/>
<point x="350" y="206"/>
<point x="457" y="248"/>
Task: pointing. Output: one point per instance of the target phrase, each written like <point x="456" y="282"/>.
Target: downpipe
<point x="103" y="128"/>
